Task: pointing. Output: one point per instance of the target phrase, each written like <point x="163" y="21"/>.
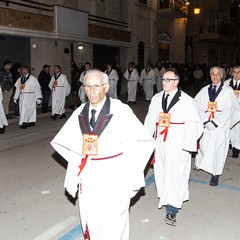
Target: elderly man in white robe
<point x="147" y="81"/>
<point x="60" y="90"/>
<point x="3" y="119"/>
<point x="132" y="77"/>
<point x="113" y="80"/>
<point x="107" y="149"/>
<point x="219" y="111"/>
<point x="234" y="83"/>
<point x="28" y="91"/>
<point x="174" y="120"/>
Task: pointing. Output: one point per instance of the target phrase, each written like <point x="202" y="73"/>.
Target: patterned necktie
<point x="92" y="120"/>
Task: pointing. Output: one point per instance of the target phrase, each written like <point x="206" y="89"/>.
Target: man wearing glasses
<point x="219" y="111"/>
<point x="234" y="83"/>
<point x="107" y="149"/>
<point x="173" y="119"/>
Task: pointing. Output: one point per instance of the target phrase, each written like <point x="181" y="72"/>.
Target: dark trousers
<point x="45" y="100"/>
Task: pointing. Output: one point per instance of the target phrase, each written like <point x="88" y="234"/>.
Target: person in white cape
<point x="219" y="111"/>
<point x="28" y="91"/>
<point x="174" y="120"/>
<point x="60" y="90"/>
<point x="3" y="119"/>
<point x="234" y="83"/>
<point x="107" y="149"/>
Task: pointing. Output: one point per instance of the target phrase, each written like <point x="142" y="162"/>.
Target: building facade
<point x="212" y="36"/>
<point x="98" y="31"/>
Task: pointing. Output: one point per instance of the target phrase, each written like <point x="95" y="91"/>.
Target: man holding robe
<point x="107" y="149"/>
<point x="173" y="119"/>
<point x="234" y="83"/>
<point x="219" y="111"/>
<point x="60" y="90"/>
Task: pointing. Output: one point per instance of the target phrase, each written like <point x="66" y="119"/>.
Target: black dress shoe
<point x="235" y="152"/>
<point x="31" y="124"/>
<point x="214" y="180"/>
<point x="170" y="219"/>
<point x="54" y="117"/>
<point x="2" y="130"/>
<point x="63" y="115"/>
<point x="23" y="126"/>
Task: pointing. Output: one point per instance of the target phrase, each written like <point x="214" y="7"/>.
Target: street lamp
<point x="196" y="10"/>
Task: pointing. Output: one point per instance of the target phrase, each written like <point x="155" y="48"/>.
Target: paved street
<point x="34" y="205"/>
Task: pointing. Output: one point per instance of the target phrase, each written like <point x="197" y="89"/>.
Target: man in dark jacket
<point x="44" y="79"/>
<point x="6" y="83"/>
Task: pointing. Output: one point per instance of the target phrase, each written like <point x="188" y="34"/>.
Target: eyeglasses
<point x="95" y="87"/>
<point x="169" y="79"/>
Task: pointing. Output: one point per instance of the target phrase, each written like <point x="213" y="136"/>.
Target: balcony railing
<point x="176" y="5"/>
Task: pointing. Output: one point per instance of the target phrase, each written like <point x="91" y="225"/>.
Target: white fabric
<point x="158" y="76"/>
<point x="3" y="119"/>
<point x="214" y="144"/>
<point x="132" y="81"/>
<point x="235" y="131"/>
<point x="106" y="186"/>
<point x="147" y="80"/>
<point x="27" y="99"/>
<point x="172" y="157"/>
<point x="59" y="94"/>
<point x="81" y="92"/>
<point x="113" y="80"/>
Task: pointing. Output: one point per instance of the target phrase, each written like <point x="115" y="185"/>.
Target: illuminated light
<point x="196" y="10"/>
<point x="80" y="47"/>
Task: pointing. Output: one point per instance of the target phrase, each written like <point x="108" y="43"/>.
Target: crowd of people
<point x="177" y="126"/>
<point x="108" y="148"/>
<point x="26" y="91"/>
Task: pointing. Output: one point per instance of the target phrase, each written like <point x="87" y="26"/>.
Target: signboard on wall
<point x="71" y="21"/>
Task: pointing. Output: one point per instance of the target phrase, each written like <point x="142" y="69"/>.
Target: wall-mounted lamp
<point x="80" y="47"/>
<point x="34" y="45"/>
<point x="196" y="11"/>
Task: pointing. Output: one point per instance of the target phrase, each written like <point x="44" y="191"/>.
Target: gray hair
<point x="218" y="68"/>
<point x="98" y="74"/>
